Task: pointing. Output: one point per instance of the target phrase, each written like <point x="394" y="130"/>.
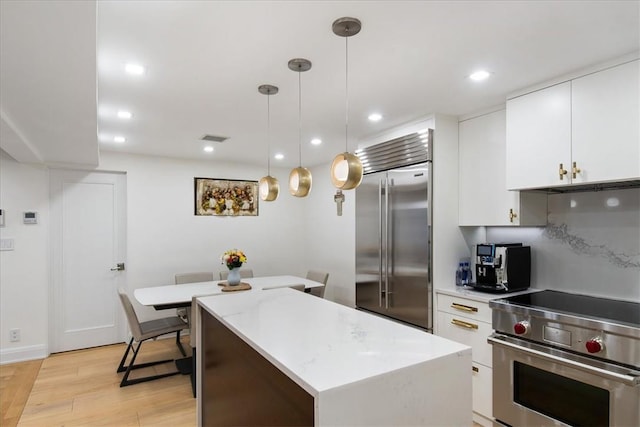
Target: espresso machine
<point x="502" y="267"/>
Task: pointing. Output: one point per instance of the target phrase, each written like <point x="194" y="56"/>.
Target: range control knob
<point x="521" y="328"/>
<point x="594" y="345"/>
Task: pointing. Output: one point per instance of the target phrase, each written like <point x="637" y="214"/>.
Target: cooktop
<point x="583" y="305"/>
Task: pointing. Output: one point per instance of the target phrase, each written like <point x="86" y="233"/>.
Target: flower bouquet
<point x="233" y="258"/>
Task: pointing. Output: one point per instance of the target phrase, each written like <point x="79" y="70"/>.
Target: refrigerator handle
<point x="380" y="231"/>
<point x="387" y="248"/>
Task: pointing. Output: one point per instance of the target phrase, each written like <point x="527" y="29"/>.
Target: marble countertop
<point x="472" y="294"/>
<point x="321" y="344"/>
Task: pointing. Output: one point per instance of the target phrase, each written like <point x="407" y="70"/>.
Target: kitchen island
<point x="283" y="357"/>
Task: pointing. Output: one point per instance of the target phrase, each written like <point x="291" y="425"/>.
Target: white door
<point x="88" y="219"/>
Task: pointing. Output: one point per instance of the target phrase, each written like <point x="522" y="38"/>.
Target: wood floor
<point x="82" y="388"/>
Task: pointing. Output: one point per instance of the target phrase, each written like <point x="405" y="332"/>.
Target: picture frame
<point x="225" y="197"/>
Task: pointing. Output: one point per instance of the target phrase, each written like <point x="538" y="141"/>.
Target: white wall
<point x="24" y="272"/>
<point x="330" y="244"/>
<point x="164" y="237"/>
<point x="448" y="240"/>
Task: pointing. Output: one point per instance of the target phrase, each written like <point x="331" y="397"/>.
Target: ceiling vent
<point x="214" y="138"/>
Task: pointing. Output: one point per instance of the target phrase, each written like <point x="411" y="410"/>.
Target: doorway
<point x="88" y="232"/>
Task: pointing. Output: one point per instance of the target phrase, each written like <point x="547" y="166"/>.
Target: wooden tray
<point x="243" y="286"/>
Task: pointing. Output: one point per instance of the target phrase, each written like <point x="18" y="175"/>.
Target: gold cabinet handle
<point x="512" y="215"/>
<point x="575" y="170"/>
<point x="562" y="172"/>
<point x="464" y="324"/>
<point x="475" y="369"/>
<point x="463" y="307"/>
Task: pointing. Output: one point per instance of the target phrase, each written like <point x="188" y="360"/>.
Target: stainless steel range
<point x="565" y="359"/>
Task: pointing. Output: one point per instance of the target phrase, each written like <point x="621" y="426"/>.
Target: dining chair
<point x="318" y="276"/>
<point x="244" y="273"/>
<point x="142" y="331"/>
<point x="182" y="278"/>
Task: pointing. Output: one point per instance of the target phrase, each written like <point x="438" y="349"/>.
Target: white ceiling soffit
<point x="15" y="145"/>
<point x="48" y="81"/>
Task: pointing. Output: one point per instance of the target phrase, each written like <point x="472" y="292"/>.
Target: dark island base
<point x="242" y="388"/>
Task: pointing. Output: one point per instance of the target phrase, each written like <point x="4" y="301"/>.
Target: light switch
<point x="6" y="244"/>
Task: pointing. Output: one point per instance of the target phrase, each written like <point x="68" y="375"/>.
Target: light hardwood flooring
<point x="81" y="388"/>
<point x="16" y="381"/>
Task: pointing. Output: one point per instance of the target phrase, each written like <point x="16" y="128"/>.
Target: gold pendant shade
<point x="300" y="182"/>
<point x="268" y="187"/>
<point x="300" y="177"/>
<point x="346" y="169"/>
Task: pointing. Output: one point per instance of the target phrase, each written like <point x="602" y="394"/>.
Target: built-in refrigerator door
<point x="409" y="245"/>
<point x="369" y="243"/>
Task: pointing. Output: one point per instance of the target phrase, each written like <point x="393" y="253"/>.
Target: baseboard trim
<point x="22" y="354"/>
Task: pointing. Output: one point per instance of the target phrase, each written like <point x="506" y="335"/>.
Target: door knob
<point x="119" y="267"/>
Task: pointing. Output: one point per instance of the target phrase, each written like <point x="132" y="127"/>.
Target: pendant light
<point x="269" y="187"/>
<point x="346" y="169"/>
<point x="299" y="178"/>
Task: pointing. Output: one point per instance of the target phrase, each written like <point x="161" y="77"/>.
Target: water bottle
<point x="466" y="274"/>
<point x="459" y="274"/>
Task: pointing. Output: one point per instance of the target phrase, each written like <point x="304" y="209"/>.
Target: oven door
<point x="538" y="385"/>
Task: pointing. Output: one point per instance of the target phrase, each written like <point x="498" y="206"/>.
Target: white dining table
<point x="175" y="296"/>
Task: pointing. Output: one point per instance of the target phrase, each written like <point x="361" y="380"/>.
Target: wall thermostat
<point x="30" y="217"/>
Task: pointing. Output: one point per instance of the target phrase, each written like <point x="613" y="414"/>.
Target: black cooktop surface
<point x="581" y="305"/>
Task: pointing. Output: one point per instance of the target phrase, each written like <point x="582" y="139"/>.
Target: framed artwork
<point x="225" y="197"/>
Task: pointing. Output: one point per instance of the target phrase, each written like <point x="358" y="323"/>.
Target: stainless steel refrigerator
<point x="393" y="230"/>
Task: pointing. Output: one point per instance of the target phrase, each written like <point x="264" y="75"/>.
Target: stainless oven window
<point x="572" y="402"/>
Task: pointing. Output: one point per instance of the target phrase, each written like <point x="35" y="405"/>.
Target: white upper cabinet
<point x="484" y="198"/>
<point x="605" y="129"/>
<point x="581" y="131"/>
<point x="539" y="138"/>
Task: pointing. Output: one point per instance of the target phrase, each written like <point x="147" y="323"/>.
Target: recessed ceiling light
<point x="375" y="117"/>
<point x="208" y="149"/>
<point x="316" y="141"/>
<point x="279" y="156"/>
<point x="135" y="69"/>
<point x="124" y="114"/>
<point x="119" y="139"/>
<point x="479" y="75"/>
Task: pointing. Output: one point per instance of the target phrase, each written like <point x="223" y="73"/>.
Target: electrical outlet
<point x="14" y="335"/>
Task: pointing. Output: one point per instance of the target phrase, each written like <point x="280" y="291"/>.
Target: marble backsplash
<point x="591" y="244"/>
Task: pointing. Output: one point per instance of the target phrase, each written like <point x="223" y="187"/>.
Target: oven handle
<point x="629" y="377"/>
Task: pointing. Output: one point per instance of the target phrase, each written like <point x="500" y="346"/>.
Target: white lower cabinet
<point x="482" y="393"/>
<point x="468" y="321"/>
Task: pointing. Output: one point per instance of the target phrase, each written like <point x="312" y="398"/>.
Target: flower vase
<point x="233" y="279"/>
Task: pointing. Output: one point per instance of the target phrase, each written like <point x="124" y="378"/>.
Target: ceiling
<point x="62" y="76"/>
